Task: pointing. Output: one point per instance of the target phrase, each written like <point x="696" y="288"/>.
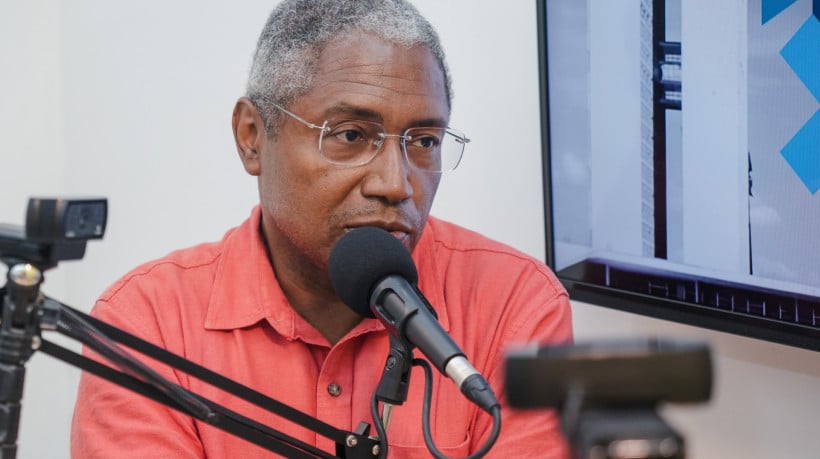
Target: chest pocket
<point x="420" y="451"/>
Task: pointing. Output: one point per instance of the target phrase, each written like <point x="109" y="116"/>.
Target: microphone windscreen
<point x="361" y="259"/>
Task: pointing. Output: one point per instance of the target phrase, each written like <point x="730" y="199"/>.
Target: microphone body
<point x="407" y="315"/>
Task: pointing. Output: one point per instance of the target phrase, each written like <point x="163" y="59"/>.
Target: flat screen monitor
<point x="682" y="160"/>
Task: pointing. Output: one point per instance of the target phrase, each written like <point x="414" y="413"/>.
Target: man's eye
<point x="427" y="141"/>
<point x="349" y="135"/>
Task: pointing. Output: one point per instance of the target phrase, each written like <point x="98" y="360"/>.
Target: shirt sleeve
<point x="111" y="421"/>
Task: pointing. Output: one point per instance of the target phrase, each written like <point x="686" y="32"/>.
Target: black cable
<point x="428" y="437"/>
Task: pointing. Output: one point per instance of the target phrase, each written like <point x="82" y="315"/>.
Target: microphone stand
<point x="17" y="332"/>
<point x="26" y="312"/>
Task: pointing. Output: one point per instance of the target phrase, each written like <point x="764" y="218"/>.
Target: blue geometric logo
<point x="803" y="153"/>
<point x="802" y="54"/>
<point x="771" y="8"/>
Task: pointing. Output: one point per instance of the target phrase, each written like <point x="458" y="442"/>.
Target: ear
<point x="249" y="134"/>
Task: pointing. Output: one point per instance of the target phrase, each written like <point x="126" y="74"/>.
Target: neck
<point x="311" y="295"/>
<point x="333" y="321"/>
<point x="321" y="309"/>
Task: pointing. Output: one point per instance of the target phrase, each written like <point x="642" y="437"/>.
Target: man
<point x="345" y="124"/>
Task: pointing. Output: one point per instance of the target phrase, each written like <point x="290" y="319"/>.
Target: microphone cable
<point x="425" y="420"/>
<point x="381" y="432"/>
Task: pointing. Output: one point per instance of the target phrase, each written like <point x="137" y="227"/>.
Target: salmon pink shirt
<point x="219" y="305"/>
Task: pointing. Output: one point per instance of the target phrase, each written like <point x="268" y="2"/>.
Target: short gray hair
<point x="288" y="49"/>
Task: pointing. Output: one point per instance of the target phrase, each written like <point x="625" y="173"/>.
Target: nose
<point x="388" y="177"/>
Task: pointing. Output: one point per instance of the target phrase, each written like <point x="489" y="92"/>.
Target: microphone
<point x="374" y="274"/>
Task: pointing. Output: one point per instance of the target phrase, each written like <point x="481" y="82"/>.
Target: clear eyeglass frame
<point x="350" y="142"/>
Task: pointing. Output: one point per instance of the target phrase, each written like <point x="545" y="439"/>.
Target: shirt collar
<point x="246" y="291"/>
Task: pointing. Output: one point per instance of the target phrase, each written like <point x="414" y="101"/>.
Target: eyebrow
<point x="372" y="115"/>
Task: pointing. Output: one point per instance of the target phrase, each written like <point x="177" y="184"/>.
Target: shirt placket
<point x="334" y="391"/>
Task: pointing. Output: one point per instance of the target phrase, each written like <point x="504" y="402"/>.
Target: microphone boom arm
<point x="26" y="312"/>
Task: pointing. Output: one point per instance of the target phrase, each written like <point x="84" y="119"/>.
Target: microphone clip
<point x="395" y="379"/>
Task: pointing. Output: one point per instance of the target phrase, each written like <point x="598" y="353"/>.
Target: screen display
<point x="682" y="159"/>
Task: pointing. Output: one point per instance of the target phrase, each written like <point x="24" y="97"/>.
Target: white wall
<point x="132" y="101"/>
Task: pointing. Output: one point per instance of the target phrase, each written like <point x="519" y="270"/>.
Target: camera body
<point x="53" y="220"/>
<point x="607" y="392"/>
<point x="56" y="229"/>
<point x="610" y="373"/>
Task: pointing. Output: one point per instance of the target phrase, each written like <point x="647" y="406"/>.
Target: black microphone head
<point x="361" y="259"/>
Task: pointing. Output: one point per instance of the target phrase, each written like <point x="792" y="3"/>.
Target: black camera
<point x="56" y="229"/>
<point x="607" y="392"/>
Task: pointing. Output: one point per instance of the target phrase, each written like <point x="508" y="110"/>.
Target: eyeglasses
<point x="356" y="142"/>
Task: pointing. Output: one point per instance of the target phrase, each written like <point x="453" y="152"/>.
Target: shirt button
<point x="334" y="390"/>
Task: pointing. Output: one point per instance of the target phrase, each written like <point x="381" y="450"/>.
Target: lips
<point x="399" y="230"/>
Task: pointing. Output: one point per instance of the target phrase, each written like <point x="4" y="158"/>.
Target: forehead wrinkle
<point x="371" y="70"/>
<point x="330" y="64"/>
<point x="356" y="83"/>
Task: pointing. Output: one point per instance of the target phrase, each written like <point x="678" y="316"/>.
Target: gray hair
<point x="287" y="52"/>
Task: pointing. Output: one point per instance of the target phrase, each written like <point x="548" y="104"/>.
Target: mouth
<point x="398" y="230"/>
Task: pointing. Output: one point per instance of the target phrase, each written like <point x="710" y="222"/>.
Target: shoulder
<point x="480" y="277"/>
<point x="460" y="248"/>
<point x="195" y="261"/>
<point x="493" y="295"/>
<point x="189" y="271"/>
<point x="159" y="297"/>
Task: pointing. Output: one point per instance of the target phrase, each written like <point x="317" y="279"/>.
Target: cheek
<point x="303" y="192"/>
<point x="424" y="190"/>
<point x="288" y="190"/>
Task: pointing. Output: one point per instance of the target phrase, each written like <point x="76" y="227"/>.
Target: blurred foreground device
<point x="608" y="392"/>
<point x="56" y="229"/>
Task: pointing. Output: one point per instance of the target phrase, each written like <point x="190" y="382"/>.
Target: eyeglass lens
<point x="356" y="142"/>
